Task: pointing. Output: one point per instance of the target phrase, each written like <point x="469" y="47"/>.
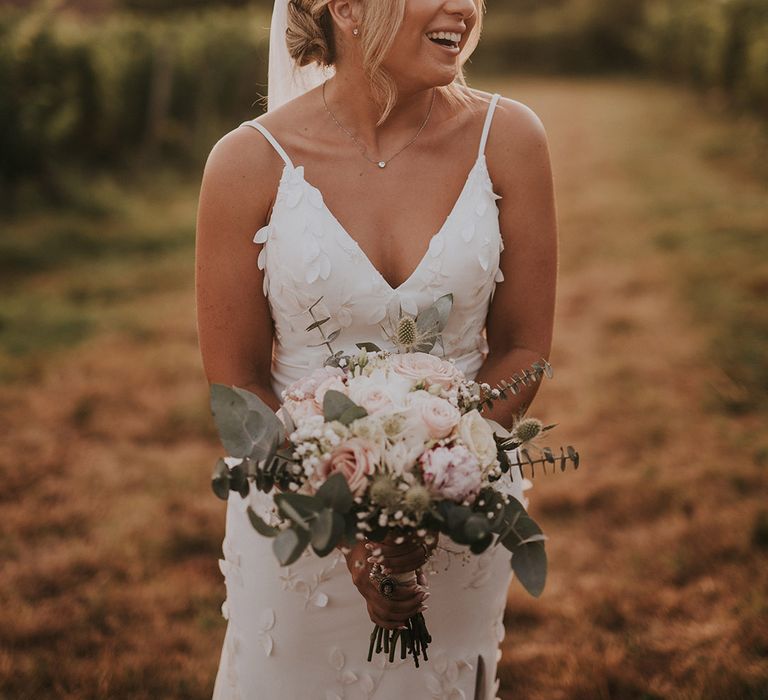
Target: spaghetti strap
<point x="260" y="127"/>
<point x="487" y="125"/>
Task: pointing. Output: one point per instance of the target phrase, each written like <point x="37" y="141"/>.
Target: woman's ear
<point x="346" y="15"/>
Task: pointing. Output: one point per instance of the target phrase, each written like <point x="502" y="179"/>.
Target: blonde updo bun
<point x="310" y="32"/>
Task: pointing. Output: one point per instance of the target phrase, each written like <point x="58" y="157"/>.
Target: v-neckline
<point x="422" y="261"/>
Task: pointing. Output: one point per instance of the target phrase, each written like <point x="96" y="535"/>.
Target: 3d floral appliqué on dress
<point x="295" y="633"/>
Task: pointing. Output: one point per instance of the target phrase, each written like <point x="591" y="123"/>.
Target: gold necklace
<point x="361" y="147"/>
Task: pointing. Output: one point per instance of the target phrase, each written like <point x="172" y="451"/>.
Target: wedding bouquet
<point x="379" y="443"/>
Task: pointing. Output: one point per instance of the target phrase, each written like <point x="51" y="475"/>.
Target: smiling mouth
<point x="449" y="40"/>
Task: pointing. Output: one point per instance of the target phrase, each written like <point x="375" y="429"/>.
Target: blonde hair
<point x="310" y="39"/>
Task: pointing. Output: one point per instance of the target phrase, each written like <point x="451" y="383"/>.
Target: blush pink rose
<point x="452" y="473"/>
<point x="438" y="416"/>
<point x="301" y="410"/>
<point x="306" y="387"/>
<point x="421" y="366"/>
<point x="356" y="459"/>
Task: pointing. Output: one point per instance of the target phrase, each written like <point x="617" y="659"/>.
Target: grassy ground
<point x="109" y="535"/>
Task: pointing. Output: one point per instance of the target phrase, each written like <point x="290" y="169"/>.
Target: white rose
<point x="477" y="435"/>
<point x="373" y="396"/>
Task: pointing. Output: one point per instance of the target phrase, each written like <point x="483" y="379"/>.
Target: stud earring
<point x="355" y="31"/>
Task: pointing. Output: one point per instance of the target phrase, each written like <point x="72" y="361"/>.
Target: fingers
<point x="393" y="614"/>
<point x="399" y="559"/>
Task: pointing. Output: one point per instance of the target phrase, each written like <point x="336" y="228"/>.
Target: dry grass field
<point x="658" y="588"/>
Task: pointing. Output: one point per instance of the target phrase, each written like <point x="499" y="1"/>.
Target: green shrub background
<point x="134" y="85"/>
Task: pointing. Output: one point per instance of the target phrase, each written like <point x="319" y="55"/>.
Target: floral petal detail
<point x="484" y="259"/>
<point x="325" y="267"/>
<point x="225" y="610"/>
<point x="436" y="245"/>
<point x="481" y="206"/>
<point x="457" y="694"/>
<point x="330" y="695"/>
<point x="468" y="232"/>
<point x="267" y="643"/>
<point x="262" y="259"/>
<point x="320" y="599"/>
<point x="336" y="659"/>
<point x="441" y="663"/>
<point x="434" y="686"/>
<point x="499" y="276"/>
<point x="500" y="631"/>
<point x="262" y="234"/>
<point x="315" y="198"/>
<point x="293" y="196"/>
<point x="310" y="250"/>
<point x="267" y="620"/>
<point x="410" y="306"/>
<point x="348" y="677"/>
<point x="367" y="684"/>
<point x="313" y="272"/>
<point x="344" y="317"/>
<point x="452" y="672"/>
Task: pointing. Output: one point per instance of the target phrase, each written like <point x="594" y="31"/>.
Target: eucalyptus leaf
<point x="476" y="527"/>
<point x="246" y="425"/>
<point x="317" y="324"/>
<point x="298" y="507"/>
<point x="326" y="531"/>
<point x="220" y="480"/>
<point x="289" y="545"/>
<point x="260" y="525"/>
<point x="335" y="493"/>
<point x="529" y="562"/>
<point x="369" y="347"/>
<point x="336" y="404"/>
<point x="523" y="529"/>
<point x="352" y="414"/>
<point x="238" y="480"/>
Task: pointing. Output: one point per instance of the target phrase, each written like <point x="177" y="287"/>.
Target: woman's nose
<point x="465" y="8"/>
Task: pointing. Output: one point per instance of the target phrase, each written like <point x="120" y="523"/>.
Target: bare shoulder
<point x="242" y="171"/>
<point x="517" y="143"/>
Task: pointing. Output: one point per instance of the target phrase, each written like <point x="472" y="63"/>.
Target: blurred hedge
<point x="103" y="94"/>
<point x="720" y="44"/>
<point x="165" y="84"/>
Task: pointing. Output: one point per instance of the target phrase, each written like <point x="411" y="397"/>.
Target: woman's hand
<point x="390" y="613"/>
<point x="409" y="555"/>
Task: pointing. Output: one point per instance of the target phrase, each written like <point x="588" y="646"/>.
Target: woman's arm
<point x="521" y="316"/>
<point x="233" y="319"/>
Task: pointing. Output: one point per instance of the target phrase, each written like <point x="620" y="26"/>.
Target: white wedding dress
<point x="301" y="632"/>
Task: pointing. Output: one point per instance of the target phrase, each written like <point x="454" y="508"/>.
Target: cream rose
<point x="477" y="435"/>
<point x="356" y="459"/>
<point x="421" y="366"/>
<point x="372" y="396"/>
<point x="438" y="416"/>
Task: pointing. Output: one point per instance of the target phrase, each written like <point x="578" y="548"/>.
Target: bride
<point x="377" y="180"/>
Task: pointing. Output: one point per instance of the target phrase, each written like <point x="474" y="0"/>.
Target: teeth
<point x="455" y="37"/>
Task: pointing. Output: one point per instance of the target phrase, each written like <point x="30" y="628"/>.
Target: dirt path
<point x="109" y="535"/>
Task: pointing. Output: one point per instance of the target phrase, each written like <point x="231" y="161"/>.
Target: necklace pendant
<point x="382" y="164"/>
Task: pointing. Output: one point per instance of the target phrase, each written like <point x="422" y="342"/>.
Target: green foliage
<point x="338" y="406"/>
<point x="104" y="94"/>
<point x="248" y="428"/>
<point x="712" y="43"/>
